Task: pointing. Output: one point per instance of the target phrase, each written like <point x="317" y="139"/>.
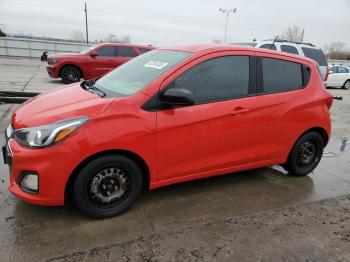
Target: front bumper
<point x="53" y="166"/>
<point x="52" y="70"/>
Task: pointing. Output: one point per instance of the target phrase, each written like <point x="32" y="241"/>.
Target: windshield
<point x="87" y="50"/>
<point x="139" y="72"/>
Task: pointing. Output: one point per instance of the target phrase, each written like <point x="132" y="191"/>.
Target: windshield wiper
<point x="91" y="87"/>
<point x="98" y="91"/>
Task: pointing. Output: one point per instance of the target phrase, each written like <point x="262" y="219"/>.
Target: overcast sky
<point x="165" y="22"/>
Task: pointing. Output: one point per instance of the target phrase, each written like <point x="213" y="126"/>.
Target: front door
<point x="103" y="62"/>
<point x="217" y="131"/>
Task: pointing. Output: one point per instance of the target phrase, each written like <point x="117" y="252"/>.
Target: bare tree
<point x="337" y="50"/>
<point x="117" y="39"/>
<point x="292" y="33"/>
<point x="2" y="33"/>
<point x="78" y="36"/>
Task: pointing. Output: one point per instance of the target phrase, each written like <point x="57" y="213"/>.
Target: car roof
<point x="281" y="42"/>
<point x="209" y="48"/>
<point x="129" y="45"/>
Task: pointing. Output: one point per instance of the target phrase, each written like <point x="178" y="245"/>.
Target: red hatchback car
<point x="168" y="116"/>
<point x="92" y="62"/>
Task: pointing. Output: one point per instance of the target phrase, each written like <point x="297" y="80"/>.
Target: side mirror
<point x="177" y="97"/>
<point x="93" y="54"/>
<point x="330" y="72"/>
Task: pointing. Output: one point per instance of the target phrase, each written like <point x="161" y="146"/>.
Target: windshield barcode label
<point x="156" y="64"/>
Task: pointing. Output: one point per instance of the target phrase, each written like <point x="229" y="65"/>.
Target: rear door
<point x="103" y="62"/>
<point x="217" y="131"/>
<point x="279" y="88"/>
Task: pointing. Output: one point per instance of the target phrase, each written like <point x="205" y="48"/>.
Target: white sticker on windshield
<point x="156" y="64"/>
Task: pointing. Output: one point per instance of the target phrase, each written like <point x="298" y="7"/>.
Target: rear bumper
<point x="52" y="70"/>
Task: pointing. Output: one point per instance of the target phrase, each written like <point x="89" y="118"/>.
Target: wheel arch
<point x="135" y="157"/>
<point x="319" y="130"/>
<point x="345" y="82"/>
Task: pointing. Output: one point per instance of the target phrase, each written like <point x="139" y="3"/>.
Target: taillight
<point x="327" y="73"/>
<point x="329" y="102"/>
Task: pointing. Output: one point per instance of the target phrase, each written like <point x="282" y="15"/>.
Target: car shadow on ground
<point x="240" y="192"/>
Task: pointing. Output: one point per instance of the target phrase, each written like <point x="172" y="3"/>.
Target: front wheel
<point x="346" y="84"/>
<point x="107" y="186"/>
<point x="305" y="155"/>
<point x="70" y="74"/>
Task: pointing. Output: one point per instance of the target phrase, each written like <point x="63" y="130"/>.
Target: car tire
<point x="107" y="186"/>
<point x="70" y="74"/>
<point x="346" y="84"/>
<point x="305" y="154"/>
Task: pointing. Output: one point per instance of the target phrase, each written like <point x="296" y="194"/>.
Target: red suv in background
<point x="91" y="62"/>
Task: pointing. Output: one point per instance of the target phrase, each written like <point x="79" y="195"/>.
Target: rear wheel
<point x="305" y="155"/>
<point x="107" y="186"/>
<point x="70" y="74"/>
<point x="346" y="84"/>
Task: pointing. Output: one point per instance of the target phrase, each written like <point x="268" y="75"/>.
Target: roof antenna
<point x="274" y="41"/>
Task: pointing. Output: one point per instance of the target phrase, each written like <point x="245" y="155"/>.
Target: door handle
<point x="240" y="110"/>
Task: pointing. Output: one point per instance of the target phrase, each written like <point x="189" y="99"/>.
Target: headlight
<point x="52" y="61"/>
<point x="44" y="136"/>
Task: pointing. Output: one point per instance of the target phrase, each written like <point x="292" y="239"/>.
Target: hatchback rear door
<point x="281" y="111"/>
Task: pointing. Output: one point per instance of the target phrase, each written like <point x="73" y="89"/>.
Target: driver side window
<point x="106" y="51"/>
<point x="217" y="79"/>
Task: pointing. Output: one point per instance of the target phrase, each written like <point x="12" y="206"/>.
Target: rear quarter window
<point x="289" y="49"/>
<point x="315" y="54"/>
<point x="280" y="75"/>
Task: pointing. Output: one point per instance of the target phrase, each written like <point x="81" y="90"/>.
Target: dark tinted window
<point x="343" y="70"/>
<point x="125" y="51"/>
<point x="106" y="51"/>
<point x="144" y="50"/>
<point x="315" y="54"/>
<point x="269" y="46"/>
<point x="216" y="79"/>
<point x="279" y="75"/>
<point x="289" y="49"/>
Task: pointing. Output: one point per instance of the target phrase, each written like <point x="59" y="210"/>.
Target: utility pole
<point x="86" y="25"/>
<point x="227" y="12"/>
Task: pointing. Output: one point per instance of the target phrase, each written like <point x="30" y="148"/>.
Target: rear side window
<point x="281" y="76"/>
<point x="315" y="54"/>
<point x="269" y="46"/>
<point x="125" y="51"/>
<point x="216" y="79"/>
<point x="289" y="49"/>
<point x="343" y="70"/>
<point x="106" y="51"/>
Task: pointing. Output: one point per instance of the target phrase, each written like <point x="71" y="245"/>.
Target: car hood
<point x="58" y="104"/>
<point x="64" y="55"/>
